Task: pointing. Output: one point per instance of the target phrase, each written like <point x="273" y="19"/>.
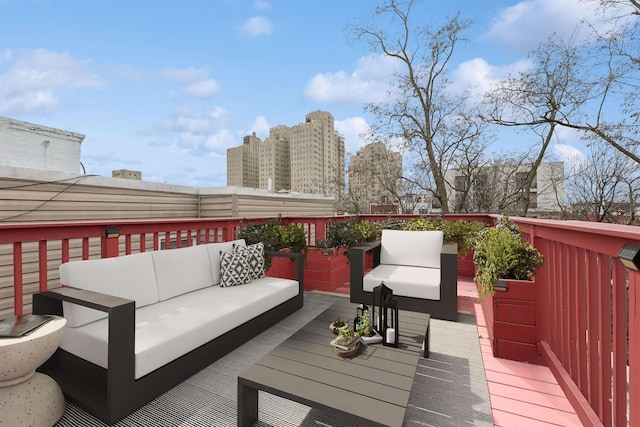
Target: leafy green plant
<point x="275" y="235"/>
<point x="346" y="234"/>
<point x="338" y="323"/>
<point x="501" y="253"/>
<point x="462" y="232"/>
<point x="365" y="325"/>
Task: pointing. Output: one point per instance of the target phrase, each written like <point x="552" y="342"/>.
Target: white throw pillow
<point x="234" y="269"/>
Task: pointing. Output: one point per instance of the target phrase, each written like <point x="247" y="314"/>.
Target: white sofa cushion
<point x="131" y="276"/>
<point x="412" y="248"/>
<point x="182" y="270"/>
<point x="214" y="250"/>
<point x="172" y="328"/>
<point x="408" y="281"/>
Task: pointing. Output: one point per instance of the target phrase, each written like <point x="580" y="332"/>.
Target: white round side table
<point x="27" y="397"/>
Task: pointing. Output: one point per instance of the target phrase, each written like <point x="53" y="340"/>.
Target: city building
<point x="127" y="174"/>
<point x="305" y="158"/>
<point x="375" y="177"/>
<point x="242" y="163"/>
<point x="29" y="145"/>
<point x="499" y="189"/>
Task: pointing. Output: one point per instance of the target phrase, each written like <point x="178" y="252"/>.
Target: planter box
<point x="283" y="268"/>
<point x="511" y="321"/>
<point x="325" y="271"/>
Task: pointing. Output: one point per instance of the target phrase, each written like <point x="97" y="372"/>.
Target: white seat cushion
<point x="408" y="281"/>
<point x="414" y="248"/>
<point x="172" y="328"/>
<point x="131" y="276"/>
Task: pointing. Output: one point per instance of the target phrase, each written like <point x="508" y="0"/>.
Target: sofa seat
<point x="171" y="328"/>
<point x="405" y="280"/>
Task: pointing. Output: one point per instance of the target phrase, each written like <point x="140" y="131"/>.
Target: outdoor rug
<point x="450" y="388"/>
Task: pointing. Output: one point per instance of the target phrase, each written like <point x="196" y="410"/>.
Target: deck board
<point x="522" y="394"/>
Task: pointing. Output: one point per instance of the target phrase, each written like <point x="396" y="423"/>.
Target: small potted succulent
<point x="347" y="344"/>
<point x="338" y="325"/>
<point x="365" y="329"/>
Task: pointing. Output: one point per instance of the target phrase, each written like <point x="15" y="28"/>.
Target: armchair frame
<point x="445" y="308"/>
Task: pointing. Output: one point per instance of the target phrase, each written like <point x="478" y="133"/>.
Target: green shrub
<point x="462" y="232"/>
<point x="275" y="236"/>
<point x="501" y="253"/>
<point x="346" y="234"/>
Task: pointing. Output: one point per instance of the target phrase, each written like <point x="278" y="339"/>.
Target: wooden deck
<point x="521" y="394"/>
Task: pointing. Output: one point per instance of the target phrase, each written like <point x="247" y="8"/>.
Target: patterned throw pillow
<point x="254" y="254"/>
<point x="234" y="269"/>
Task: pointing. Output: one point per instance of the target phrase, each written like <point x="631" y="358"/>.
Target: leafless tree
<point x="420" y="110"/>
<point x="603" y="186"/>
<point x="589" y="83"/>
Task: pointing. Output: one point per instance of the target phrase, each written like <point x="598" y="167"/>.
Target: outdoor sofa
<point x="137" y="325"/>
<point x="417" y="265"/>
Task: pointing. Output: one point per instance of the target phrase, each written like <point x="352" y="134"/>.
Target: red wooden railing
<point x="587" y="302"/>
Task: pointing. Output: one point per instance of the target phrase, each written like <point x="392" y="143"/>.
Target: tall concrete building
<point x="375" y="176"/>
<point x="242" y="163"/>
<point x="305" y="158"/>
<point x="274" y="168"/>
<point x="317" y="155"/>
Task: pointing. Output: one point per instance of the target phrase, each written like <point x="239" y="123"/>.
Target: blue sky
<point x="166" y="86"/>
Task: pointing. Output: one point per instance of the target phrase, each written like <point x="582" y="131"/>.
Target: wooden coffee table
<point x="372" y="388"/>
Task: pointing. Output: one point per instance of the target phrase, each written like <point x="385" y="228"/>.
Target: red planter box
<point x="282" y="267"/>
<point x="511" y="322"/>
<point x="325" y="272"/>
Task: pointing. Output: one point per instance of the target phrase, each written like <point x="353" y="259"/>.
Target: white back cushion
<point x="129" y="276"/>
<point x="181" y="270"/>
<point x="214" y="256"/>
<point x="413" y="248"/>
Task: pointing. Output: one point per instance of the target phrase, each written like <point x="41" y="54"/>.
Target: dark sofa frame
<point x="112" y="394"/>
<point x="445" y="308"/>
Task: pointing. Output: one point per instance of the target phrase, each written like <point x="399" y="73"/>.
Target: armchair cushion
<point x="411" y="248"/>
<point x="409" y="281"/>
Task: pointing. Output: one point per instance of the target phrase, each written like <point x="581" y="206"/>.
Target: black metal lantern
<point x="390" y="332"/>
<point x="360" y="310"/>
<point x="380" y="294"/>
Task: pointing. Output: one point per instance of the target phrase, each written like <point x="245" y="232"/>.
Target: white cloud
<point x="37" y="78"/>
<point x="353" y="128"/>
<point x="202" y="89"/>
<point x="196" y="132"/>
<point x="260" y="126"/>
<point x="525" y="25"/>
<point x="256" y="26"/>
<point x="570" y="155"/>
<point x="479" y="76"/>
<point x="369" y="82"/>
<point x="188" y="74"/>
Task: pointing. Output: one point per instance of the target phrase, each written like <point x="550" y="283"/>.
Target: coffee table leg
<point x="425" y="343"/>
<point x="247" y="404"/>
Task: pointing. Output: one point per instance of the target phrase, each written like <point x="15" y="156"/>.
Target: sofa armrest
<point x="121" y="315"/>
<point x="356" y="275"/>
<point x="299" y="260"/>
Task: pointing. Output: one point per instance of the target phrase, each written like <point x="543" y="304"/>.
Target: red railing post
<point x="634" y="348"/>
<point x="17" y="278"/>
<point x="42" y="266"/>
